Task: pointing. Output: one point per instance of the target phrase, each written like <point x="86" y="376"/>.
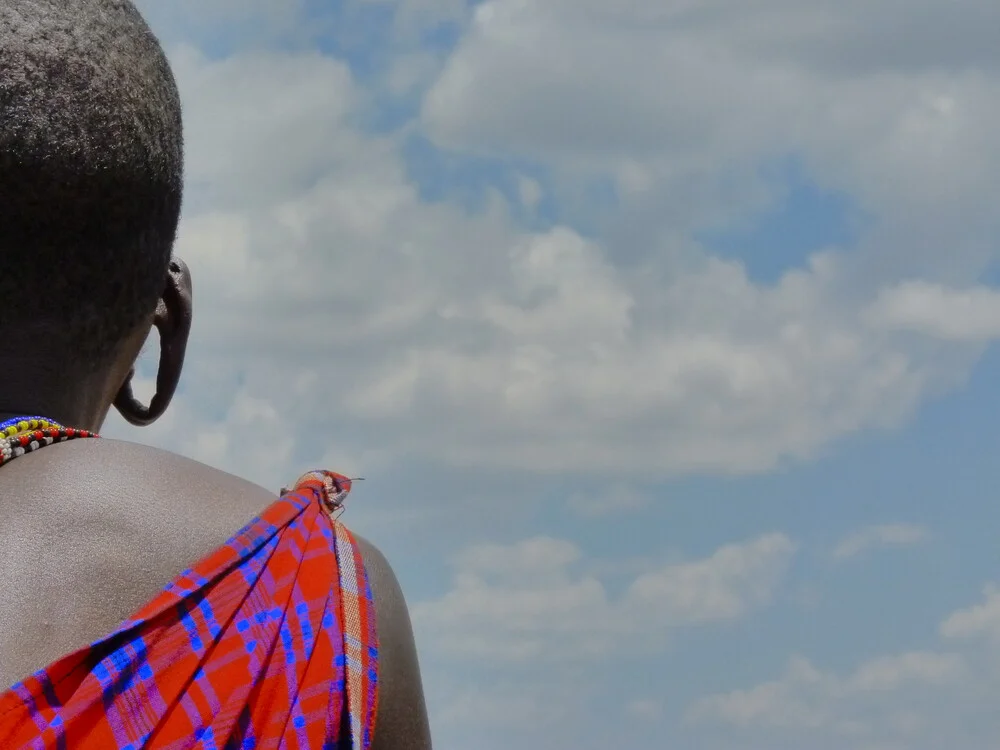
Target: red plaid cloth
<point x="267" y="642"/>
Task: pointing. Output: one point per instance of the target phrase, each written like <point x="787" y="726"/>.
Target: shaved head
<point x="90" y="171"/>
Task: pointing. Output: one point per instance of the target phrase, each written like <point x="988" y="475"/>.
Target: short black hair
<point x="91" y="170"/>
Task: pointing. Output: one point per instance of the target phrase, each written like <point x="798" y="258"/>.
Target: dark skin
<point x="93" y="529"/>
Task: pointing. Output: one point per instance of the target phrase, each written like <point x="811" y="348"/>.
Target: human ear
<point x="172" y="321"/>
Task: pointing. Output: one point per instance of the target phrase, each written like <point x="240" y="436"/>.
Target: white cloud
<point x="805" y="697"/>
<point x="261" y="128"/>
<point x="718" y="84"/>
<point x="888" y="535"/>
<point x="918" y="700"/>
<point x="971" y="314"/>
<point x="735" y="579"/>
<point x="892" y="672"/>
<point x="978" y="620"/>
<point x="527" y="601"/>
<point x="364" y="325"/>
<point x="781" y="703"/>
<point x="329" y="290"/>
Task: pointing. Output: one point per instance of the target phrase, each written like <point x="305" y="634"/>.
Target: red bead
<point x="41" y="437"/>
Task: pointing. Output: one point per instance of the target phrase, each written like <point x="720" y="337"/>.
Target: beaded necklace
<point x="22" y="435"/>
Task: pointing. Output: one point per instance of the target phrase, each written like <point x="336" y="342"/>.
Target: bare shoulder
<point x="175" y="491"/>
<point x="104" y="525"/>
<point x="180" y="494"/>
<point x="401" y="722"/>
<point x="147" y="513"/>
<point x="158" y="511"/>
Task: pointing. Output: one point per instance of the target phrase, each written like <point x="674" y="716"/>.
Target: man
<point x="90" y="195"/>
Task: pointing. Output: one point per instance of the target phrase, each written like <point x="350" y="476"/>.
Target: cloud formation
<point x="529" y="601"/>
<point x="915" y="700"/>
<point x="466" y="339"/>
<point x="886" y="535"/>
<point x="457" y="245"/>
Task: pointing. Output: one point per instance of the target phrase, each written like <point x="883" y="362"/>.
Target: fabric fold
<point x="267" y="642"/>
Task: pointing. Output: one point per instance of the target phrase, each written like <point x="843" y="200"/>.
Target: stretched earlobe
<point x="172" y="321"/>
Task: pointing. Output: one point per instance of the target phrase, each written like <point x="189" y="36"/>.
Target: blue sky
<point x="662" y="333"/>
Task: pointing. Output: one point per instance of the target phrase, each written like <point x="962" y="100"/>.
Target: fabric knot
<point x="333" y="488"/>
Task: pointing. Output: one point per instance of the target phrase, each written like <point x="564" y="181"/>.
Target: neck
<point x="76" y="407"/>
<point x="89" y="422"/>
<point x="66" y="393"/>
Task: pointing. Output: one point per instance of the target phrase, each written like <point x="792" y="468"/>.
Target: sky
<point x="662" y="333"/>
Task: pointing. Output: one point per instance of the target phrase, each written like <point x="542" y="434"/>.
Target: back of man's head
<point x="90" y="171"/>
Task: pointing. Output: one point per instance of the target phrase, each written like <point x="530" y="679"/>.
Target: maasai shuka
<point x="268" y="642"/>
